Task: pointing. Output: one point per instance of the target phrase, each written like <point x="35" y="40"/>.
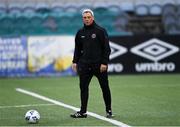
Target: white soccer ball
<point x="32" y="116"/>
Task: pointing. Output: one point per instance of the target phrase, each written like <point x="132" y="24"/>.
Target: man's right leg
<point x="85" y="77"/>
<point x="84" y="90"/>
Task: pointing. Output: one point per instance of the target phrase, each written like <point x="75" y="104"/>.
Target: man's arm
<point x="74" y="67"/>
<point x="106" y="48"/>
<point x="106" y="51"/>
<point x="77" y="53"/>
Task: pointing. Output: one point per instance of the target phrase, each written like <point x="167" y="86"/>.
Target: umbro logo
<point x="116" y="50"/>
<point x="154" y="49"/>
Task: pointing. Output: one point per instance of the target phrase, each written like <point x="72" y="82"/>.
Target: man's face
<point x="88" y="18"/>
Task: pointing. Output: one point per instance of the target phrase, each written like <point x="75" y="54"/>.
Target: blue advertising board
<point x="36" y="56"/>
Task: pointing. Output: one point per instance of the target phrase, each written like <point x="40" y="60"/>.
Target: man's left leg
<point x="104" y="83"/>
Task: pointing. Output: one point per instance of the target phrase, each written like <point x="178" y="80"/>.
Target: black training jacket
<point x="92" y="45"/>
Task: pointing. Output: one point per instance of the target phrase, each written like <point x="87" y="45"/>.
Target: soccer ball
<point x="32" y="116"/>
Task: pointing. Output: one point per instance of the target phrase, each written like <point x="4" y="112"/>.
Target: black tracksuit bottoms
<point x="86" y="72"/>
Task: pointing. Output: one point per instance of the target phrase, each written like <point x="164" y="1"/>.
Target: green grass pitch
<point x="137" y="100"/>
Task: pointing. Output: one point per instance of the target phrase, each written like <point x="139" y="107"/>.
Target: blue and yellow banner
<point x="36" y="56"/>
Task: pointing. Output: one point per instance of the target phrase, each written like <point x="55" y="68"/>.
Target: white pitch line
<point x="114" y="122"/>
<point x="22" y="106"/>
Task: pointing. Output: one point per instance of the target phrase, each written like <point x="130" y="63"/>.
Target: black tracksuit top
<point x="92" y="45"/>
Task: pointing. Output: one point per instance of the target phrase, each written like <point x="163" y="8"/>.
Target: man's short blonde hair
<point x="87" y="10"/>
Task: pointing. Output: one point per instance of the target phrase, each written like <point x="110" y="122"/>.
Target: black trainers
<point x="109" y="114"/>
<point x="78" y="115"/>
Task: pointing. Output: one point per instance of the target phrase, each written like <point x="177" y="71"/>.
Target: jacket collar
<point x="90" y="26"/>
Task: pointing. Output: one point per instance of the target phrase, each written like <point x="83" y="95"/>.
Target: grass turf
<point x="137" y="100"/>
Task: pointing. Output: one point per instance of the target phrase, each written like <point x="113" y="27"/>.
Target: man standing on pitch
<point x="91" y="58"/>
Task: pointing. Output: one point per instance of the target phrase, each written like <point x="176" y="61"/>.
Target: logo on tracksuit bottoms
<point x="155" y="50"/>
